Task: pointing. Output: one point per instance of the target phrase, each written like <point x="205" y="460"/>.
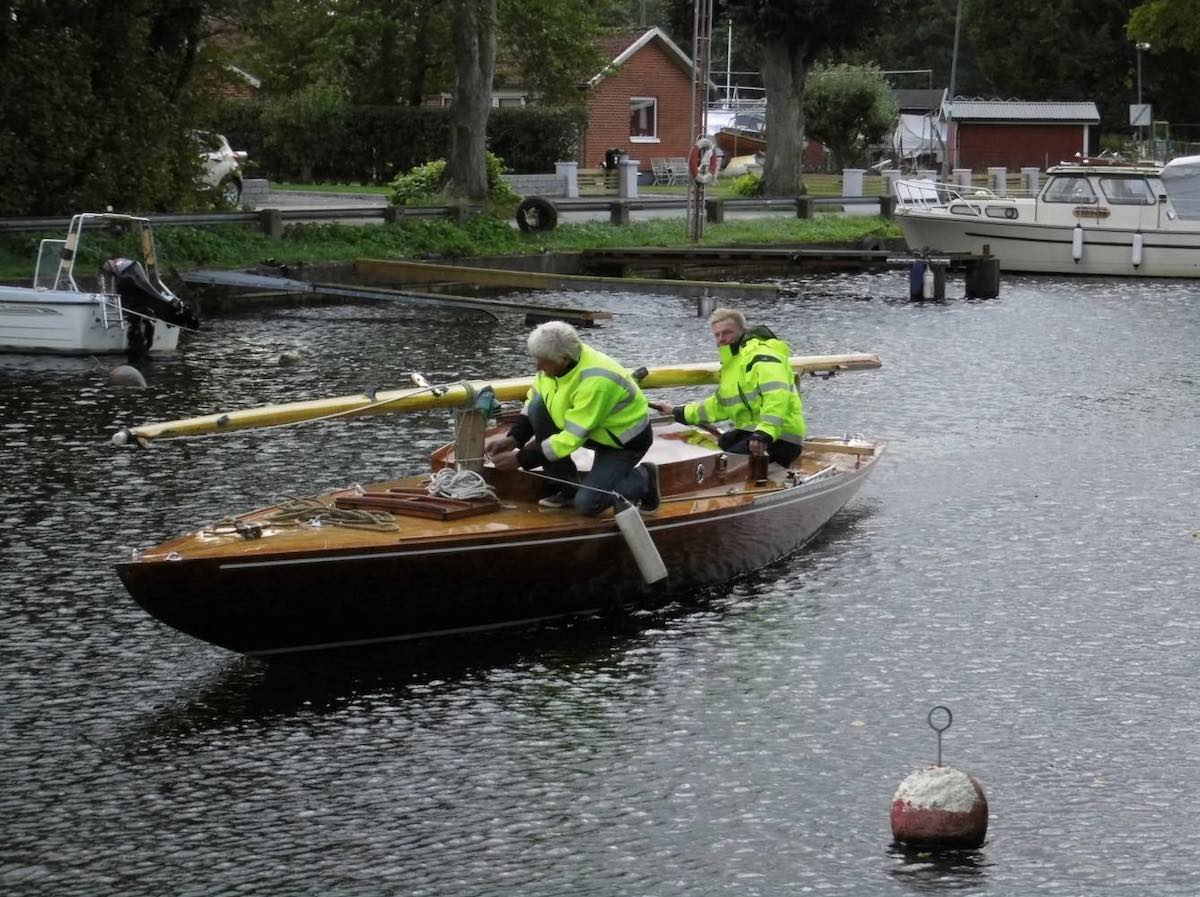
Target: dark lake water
<point x="1026" y="554"/>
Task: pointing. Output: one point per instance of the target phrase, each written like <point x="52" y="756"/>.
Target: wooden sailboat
<point x="392" y="561"/>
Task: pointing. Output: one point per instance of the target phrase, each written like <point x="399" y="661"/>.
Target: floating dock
<point x="491" y="307"/>
<point x="389" y="271"/>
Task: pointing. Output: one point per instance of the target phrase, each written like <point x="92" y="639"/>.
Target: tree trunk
<point x="474" y="61"/>
<point x="784" y="69"/>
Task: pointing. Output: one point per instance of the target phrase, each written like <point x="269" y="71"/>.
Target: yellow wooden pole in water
<point x="452" y="395"/>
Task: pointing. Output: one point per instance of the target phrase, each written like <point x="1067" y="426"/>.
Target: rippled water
<point x="1026" y="554"/>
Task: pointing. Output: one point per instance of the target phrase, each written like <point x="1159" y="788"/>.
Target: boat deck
<point x="696" y="479"/>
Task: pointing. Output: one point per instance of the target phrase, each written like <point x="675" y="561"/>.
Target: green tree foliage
<point x="93" y="106"/>
<point x="1167" y="24"/>
<point x="791" y="35"/>
<point x="847" y="108"/>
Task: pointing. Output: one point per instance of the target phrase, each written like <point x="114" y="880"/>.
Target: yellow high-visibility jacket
<point x="757" y="390"/>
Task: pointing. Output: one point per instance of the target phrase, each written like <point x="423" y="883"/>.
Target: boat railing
<point x="962" y="200"/>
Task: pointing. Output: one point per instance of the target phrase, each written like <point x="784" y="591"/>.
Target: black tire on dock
<point x="536" y="214"/>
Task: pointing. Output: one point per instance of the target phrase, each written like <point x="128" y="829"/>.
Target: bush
<point x="425" y="186"/>
<point x="749" y="184"/>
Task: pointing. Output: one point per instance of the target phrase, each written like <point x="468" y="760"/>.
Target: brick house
<point x="641" y="102"/>
<point x="1017" y="133"/>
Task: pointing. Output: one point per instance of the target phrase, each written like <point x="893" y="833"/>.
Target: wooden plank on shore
<point x="491" y="307"/>
<point x="392" y="271"/>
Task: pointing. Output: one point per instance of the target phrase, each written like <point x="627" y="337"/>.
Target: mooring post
<point x="705" y="306"/>
<point x="715" y="210"/>
<point x="271" y="222"/>
<point x="393" y="214"/>
<point x="469" y="428"/>
<point x="618" y="212"/>
<point x="805" y="206"/>
<point x="887" y="206"/>
<point x="983" y="276"/>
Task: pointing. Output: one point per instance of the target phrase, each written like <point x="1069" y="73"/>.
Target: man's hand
<point x="663" y="407"/>
<point x="505" y="460"/>
<point x="498" y="444"/>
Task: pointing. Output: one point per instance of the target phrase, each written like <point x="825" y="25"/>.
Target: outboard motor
<point x="139" y="294"/>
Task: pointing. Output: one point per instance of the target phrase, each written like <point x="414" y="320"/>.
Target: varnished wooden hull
<point x="517" y="566"/>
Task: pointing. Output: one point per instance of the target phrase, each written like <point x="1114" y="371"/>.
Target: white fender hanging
<point x="928" y="284"/>
<point x="1137" y="249"/>
<point x="637" y="537"/>
<point x="1077" y="243"/>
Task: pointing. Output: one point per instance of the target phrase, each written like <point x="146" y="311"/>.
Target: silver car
<point x="221" y="166"/>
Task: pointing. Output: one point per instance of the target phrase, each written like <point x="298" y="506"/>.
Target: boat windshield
<point x="1127" y="191"/>
<point x="1073" y="189"/>
<point x="45" y="275"/>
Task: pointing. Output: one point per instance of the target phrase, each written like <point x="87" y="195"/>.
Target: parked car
<point x="221" y="166"/>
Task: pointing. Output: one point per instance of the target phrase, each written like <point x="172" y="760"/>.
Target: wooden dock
<point x="818" y="259"/>
<point x="390" y="271"/>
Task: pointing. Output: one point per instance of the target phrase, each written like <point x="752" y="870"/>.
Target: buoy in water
<point x="126" y="375"/>
<point x="940" y="808"/>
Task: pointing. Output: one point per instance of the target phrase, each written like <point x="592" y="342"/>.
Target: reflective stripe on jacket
<point x="757" y="390"/>
<point x="597" y="400"/>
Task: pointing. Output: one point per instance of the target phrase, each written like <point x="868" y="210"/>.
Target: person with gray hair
<point x="757" y="393"/>
<point x="581" y="397"/>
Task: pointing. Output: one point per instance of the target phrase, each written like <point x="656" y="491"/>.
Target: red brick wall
<point x="649" y="73"/>
<point x="1016" y="146"/>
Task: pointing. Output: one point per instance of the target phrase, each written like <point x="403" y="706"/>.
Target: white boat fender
<point x="1077" y="243"/>
<point x="637" y="537"/>
<point x="927" y="283"/>
<point x="1137" y="249"/>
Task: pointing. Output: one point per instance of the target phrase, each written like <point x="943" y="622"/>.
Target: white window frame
<point x="653" y="138"/>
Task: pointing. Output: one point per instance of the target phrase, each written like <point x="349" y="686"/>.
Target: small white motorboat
<point x="1093" y="216"/>
<point x="129" y="310"/>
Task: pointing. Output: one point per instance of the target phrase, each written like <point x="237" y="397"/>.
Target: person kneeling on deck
<point x="757" y="392"/>
<point x="581" y="397"/>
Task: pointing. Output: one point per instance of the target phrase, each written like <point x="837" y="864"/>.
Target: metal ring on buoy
<point x="703" y="161"/>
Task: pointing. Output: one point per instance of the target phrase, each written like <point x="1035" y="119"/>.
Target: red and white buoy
<point x="939" y="807"/>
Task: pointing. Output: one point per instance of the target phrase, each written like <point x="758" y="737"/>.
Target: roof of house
<point x="961" y="109"/>
<point x="619" y="46"/>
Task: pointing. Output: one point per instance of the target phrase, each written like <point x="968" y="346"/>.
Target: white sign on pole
<point x="1139" y="115"/>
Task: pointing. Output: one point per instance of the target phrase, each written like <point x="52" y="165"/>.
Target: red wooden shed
<point x="1018" y="134"/>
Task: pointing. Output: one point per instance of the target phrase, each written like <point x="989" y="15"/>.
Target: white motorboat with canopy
<point x="1093" y="216"/>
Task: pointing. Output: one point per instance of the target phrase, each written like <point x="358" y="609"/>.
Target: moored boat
<point x="1091" y="217"/>
<point x="409" y="560"/>
<point x="129" y="310"/>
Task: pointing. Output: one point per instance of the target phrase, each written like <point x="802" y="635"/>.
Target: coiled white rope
<point x="461" y="484"/>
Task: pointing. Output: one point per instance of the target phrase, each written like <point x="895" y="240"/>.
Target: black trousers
<point x="737" y="442"/>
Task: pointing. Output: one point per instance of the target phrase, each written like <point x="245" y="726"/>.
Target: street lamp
<point x="1141" y="45"/>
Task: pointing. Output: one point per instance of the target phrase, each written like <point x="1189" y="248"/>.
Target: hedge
<point x="301" y="139"/>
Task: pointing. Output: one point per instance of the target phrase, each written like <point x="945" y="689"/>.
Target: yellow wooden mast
<point x="453" y="395"/>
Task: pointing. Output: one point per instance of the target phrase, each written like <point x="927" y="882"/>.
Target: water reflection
<point x="1024" y="554"/>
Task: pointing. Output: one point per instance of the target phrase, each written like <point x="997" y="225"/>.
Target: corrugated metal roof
<point x="1022" y="110"/>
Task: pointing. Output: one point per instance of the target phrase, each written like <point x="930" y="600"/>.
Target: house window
<point x="643" y="118"/>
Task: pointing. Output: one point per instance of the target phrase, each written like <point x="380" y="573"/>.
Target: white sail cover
<point x="1181" y="177"/>
<point x="918" y="135"/>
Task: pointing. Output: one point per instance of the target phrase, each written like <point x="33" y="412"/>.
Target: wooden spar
<point x="425" y="272"/>
<point x="454" y="395"/>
